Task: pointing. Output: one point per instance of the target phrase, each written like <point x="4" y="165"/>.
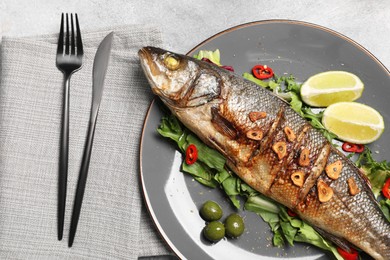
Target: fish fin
<point x="223" y="125"/>
<point x="340" y="242"/>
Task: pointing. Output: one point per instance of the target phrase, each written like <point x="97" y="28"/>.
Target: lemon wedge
<point x="353" y="122"/>
<point x="326" y="88"/>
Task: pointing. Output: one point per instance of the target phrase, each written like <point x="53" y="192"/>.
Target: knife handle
<point x="82" y="176"/>
<point x="63" y="167"/>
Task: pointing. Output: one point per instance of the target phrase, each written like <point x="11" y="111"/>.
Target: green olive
<point x="214" y="231"/>
<point x="211" y="211"/>
<point x="234" y="225"/>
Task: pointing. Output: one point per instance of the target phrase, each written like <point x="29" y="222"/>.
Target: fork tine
<point x="80" y="50"/>
<point x="60" y="46"/>
<point x="72" y="51"/>
<point x="67" y="36"/>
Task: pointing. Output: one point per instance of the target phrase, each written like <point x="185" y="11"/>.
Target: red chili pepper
<point x="224" y="66"/>
<point x="191" y="154"/>
<point x="352" y="148"/>
<point x="348" y="147"/>
<point x="262" y="72"/>
<point x="291" y="213"/>
<point x="353" y="255"/>
<point x="208" y="60"/>
<point x="228" y="68"/>
<point x="359" y="148"/>
<point x="386" y="189"/>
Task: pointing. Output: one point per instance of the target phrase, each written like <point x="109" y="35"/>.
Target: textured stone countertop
<point x="186" y="23"/>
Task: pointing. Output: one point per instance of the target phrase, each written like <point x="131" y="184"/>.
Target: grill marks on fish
<point x="341" y="201"/>
<point x="278" y="183"/>
<point x="283" y="185"/>
<point x="228" y="119"/>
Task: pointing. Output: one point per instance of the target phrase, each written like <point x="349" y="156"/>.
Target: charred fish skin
<point x="270" y="147"/>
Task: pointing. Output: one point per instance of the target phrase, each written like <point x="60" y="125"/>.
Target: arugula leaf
<point x="221" y="176"/>
<point x="260" y="204"/>
<point x="213" y="56"/>
<point x="230" y="187"/>
<point x="199" y="170"/>
<point x="385" y="206"/>
<point x="377" y="172"/>
<point x="170" y="127"/>
<point x="259" y="82"/>
<point x="315" y="121"/>
<point x="273" y="221"/>
<point x="210" y="157"/>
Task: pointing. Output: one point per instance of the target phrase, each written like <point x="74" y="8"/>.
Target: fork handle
<point x="64" y="151"/>
<point x="83" y="174"/>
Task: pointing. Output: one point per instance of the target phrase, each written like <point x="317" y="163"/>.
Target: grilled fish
<point x="270" y="147"/>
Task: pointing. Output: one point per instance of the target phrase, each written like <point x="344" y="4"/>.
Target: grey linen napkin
<point x="114" y="223"/>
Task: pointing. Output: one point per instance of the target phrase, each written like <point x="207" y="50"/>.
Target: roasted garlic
<point x="255" y="134"/>
<point x="325" y="193"/>
<point x="290" y="134"/>
<point x="298" y="178"/>
<point x="254" y="116"/>
<point x="280" y="148"/>
<point x="333" y="170"/>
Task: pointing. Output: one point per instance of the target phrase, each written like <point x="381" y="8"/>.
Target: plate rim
<point x="289" y="21"/>
<point x="145" y="196"/>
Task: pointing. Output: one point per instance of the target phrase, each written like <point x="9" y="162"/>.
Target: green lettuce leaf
<point x="213" y="56"/>
<point x="170" y="127"/>
<point x="210" y="157"/>
<point x="377" y="172"/>
<point x="385" y="206"/>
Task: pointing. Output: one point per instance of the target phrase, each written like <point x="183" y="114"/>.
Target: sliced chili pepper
<point x="353" y="255"/>
<point x="262" y="72"/>
<point x="352" y="148"/>
<point x="191" y="154"/>
<point x="359" y="148"/>
<point x="228" y="68"/>
<point x="386" y="189"/>
<point x="291" y="213"/>
<point x="208" y="60"/>
<point x="224" y="66"/>
<point x="349" y="147"/>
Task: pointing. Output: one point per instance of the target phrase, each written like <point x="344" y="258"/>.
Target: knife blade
<point x="99" y="73"/>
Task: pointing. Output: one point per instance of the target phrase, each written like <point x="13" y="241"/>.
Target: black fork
<point x="68" y="62"/>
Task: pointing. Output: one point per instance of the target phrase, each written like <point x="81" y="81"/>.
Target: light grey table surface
<point x="186" y="23"/>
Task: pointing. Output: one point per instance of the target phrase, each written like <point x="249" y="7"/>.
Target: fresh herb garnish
<point x="377" y="172"/>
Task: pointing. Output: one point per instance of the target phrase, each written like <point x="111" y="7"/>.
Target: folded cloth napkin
<point x="113" y="223"/>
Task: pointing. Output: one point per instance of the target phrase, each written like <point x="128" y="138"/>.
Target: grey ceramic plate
<point x="291" y="47"/>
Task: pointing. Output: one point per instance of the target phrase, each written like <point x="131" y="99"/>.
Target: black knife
<point x="99" y="72"/>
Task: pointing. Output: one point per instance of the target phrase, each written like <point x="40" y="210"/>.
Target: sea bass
<point x="271" y="147"/>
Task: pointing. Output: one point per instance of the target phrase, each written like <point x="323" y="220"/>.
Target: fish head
<point x="179" y="80"/>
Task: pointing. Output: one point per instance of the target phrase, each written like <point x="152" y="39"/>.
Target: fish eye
<point x="172" y="62"/>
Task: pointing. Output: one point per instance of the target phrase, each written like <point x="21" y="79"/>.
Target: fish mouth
<point x="145" y="58"/>
<point x="148" y="66"/>
<point x="143" y="53"/>
<point x="150" y="70"/>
